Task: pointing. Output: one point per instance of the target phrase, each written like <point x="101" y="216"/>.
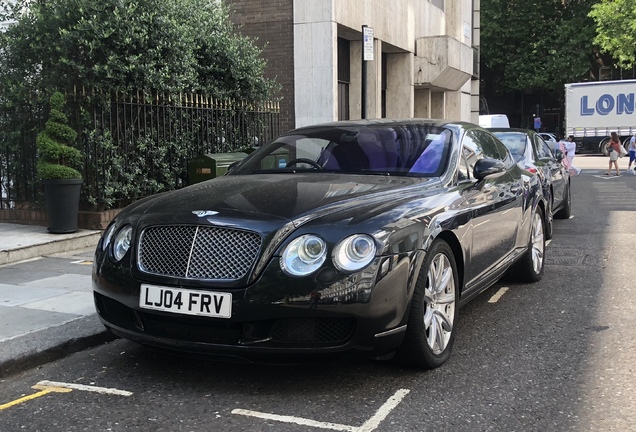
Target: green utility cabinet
<point x="208" y="166"/>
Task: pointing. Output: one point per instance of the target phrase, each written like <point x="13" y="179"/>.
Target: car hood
<point x="280" y="196"/>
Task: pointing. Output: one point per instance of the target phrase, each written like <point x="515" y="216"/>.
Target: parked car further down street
<point x="533" y="154"/>
<point x="349" y="238"/>
<point x="550" y="140"/>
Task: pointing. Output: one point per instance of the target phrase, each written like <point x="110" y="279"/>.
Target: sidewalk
<point x="46" y="300"/>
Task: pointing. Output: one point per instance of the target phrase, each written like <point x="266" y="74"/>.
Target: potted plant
<point x="57" y="167"/>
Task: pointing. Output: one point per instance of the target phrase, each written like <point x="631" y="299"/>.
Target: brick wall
<point x="272" y="22"/>
<point x="86" y="219"/>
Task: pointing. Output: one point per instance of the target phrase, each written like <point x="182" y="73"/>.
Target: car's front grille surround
<point x="283" y="333"/>
<point x="197" y="252"/>
<point x="313" y="330"/>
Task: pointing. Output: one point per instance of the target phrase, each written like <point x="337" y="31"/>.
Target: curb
<point x="40" y="347"/>
<point x="78" y="241"/>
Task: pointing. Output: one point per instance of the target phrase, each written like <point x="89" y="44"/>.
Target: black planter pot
<point x="62" y="204"/>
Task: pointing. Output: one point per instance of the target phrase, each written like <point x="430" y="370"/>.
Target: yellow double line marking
<point x="47" y="387"/>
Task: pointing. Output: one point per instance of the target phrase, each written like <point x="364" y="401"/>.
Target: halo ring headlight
<point x="304" y="255"/>
<point x="122" y="241"/>
<point x="108" y="234"/>
<point x="354" y="252"/>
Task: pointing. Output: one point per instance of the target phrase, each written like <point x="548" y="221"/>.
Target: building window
<point x="438" y="3"/>
<point x="344" y="78"/>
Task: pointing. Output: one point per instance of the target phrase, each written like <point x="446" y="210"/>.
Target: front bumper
<point x="361" y="314"/>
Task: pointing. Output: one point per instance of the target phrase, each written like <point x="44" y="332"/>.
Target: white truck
<point x="595" y="109"/>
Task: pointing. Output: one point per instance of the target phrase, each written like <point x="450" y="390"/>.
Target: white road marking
<point x="20" y="262"/>
<point x="604" y="177"/>
<point x="498" y="295"/>
<point x="295" y="420"/>
<point x="368" y="426"/>
<point x="101" y="390"/>
<point x="384" y="411"/>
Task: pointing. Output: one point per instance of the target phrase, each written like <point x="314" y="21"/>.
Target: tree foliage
<point x="616" y="29"/>
<point x="537" y="45"/>
<point x="170" y="46"/>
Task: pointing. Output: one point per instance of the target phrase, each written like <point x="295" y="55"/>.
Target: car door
<point x="553" y="170"/>
<point x="495" y="203"/>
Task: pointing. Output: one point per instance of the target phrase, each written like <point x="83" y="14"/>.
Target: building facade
<point x="425" y="57"/>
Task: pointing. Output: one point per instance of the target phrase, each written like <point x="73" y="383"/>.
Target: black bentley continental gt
<point x="358" y="237"/>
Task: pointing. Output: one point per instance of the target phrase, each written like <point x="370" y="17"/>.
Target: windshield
<point x="515" y="142"/>
<point x="404" y="150"/>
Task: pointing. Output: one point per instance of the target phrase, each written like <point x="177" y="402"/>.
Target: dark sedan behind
<point x="533" y="154"/>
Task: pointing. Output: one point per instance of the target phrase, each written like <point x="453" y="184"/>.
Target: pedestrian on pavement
<point x="570" y="147"/>
<point x="613" y="149"/>
<point x="632" y="152"/>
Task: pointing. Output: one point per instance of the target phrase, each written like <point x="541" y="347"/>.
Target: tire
<point x="601" y="146"/>
<point x="549" y="217"/>
<point x="531" y="266"/>
<point x="431" y="329"/>
<point x="566" y="210"/>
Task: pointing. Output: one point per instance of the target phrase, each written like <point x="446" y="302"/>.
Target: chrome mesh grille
<point x="198" y="252"/>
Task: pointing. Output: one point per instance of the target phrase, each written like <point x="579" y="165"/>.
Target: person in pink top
<point x="613" y="149"/>
<point x="565" y="161"/>
<point x="570" y="146"/>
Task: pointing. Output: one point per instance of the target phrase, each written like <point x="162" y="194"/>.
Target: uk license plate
<point x="186" y="301"/>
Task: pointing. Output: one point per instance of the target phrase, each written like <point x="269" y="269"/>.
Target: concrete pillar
<point x="457" y="104"/>
<point x="422" y="105"/>
<point x="437" y="105"/>
<point x="474" y="101"/>
<point x="400" y="78"/>
<point x="316" y="72"/>
<point x="374" y="82"/>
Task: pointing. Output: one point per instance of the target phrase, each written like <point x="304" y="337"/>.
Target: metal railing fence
<point x="134" y="146"/>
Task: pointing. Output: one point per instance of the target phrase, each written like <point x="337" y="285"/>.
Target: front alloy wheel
<point x="531" y="265"/>
<point x="549" y="220"/>
<point x="431" y="328"/>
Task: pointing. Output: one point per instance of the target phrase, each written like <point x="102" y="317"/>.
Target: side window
<point x="507" y="157"/>
<point x="463" y="173"/>
<point x="491" y="146"/>
<point x="543" y="150"/>
<point x="471" y="153"/>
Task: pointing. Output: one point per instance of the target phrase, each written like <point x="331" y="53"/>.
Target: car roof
<point x="389" y="123"/>
<point x="520" y="130"/>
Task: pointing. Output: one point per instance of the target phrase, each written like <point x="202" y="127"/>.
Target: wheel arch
<point x="458" y="254"/>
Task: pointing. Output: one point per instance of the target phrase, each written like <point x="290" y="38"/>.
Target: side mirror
<point x="558" y="155"/>
<point x="486" y="167"/>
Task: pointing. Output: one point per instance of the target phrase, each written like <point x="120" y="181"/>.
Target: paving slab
<point x="67" y="282"/>
<point x="18" y="321"/>
<point x="16" y="295"/>
<point x="76" y="303"/>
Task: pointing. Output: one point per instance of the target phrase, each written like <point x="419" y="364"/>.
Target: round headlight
<point x="304" y="255"/>
<point x="122" y="242"/>
<point x="107" y="235"/>
<point x="353" y="253"/>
